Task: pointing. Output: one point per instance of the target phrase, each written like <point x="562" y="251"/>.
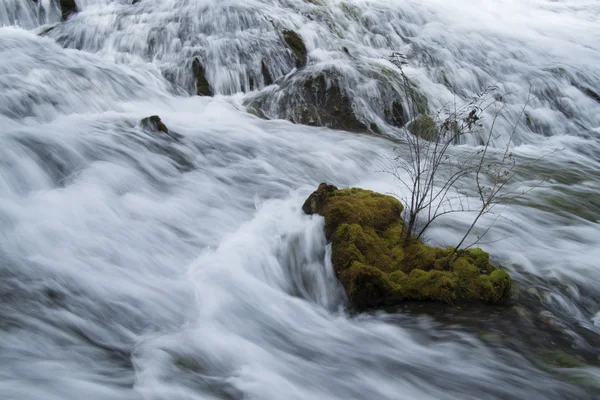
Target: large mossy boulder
<point x="376" y="267"/>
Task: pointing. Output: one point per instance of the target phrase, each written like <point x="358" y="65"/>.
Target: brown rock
<point x="154" y="123"/>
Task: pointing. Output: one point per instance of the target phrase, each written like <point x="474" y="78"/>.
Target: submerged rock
<point x="296" y="44"/>
<point x="592" y="94"/>
<point x="394" y="115"/>
<point x="334" y="98"/>
<point x="311" y="99"/>
<point x="267" y="77"/>
<point x="202" y="85"/>
<point x="68" y="8"/>
<point x="154" y="124"/>
<point x="326" y="104"/>
<point x="375" y="267"/>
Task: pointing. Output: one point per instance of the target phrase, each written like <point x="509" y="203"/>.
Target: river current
<point x="142" y="266"/>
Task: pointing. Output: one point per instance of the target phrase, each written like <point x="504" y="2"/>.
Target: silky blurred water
<point x="135" y="265"/>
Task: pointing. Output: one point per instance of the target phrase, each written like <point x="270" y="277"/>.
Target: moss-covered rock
<point x="296" y="44"/>
<point x="377" y="268"/>
<point x="424" y="127"/>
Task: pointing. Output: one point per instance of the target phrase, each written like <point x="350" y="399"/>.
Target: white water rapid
<point x="135" y="265"/>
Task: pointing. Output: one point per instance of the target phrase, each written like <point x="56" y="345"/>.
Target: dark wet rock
<point x="373" y="127"/>
<point x="326" y="104"/>
<point x="377" y="268"/>
<point x="267" y="77"/>
<point x="592" y="94"/>
<point x="68" y="8"/>
<point x="332" y="98"/>
<point x="254" y="79"/>
<point x="314" y="100"/>
<point x="562" y="359"/>
<point x="394" y="115"/>
<point x="296" y="44"/>
<point x="317" y="200"/>
<point x="46" y="31"/>
<point x="202" y="85"/>
<point x="154" y="124"/>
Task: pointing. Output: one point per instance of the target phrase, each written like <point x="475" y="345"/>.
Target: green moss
<point x="377" y="268"/>
<point x="561" y="359"/>
<point x="424" y="127"/>
<point x="368" y="286"/>
<point x="296" y="44"/>
<point x="362" y="207"/>
<point x="350" y="10"/>
<point x="429" y="285"/>
<point x="253" y="111"/>
<point x="502" y="285"/>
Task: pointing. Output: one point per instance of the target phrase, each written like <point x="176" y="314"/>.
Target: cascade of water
<point x="29" y="13"/>
<point x="139" y="265"/>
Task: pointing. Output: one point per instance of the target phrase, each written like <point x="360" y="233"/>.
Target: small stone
<point x="522" y="311"/>
<point x="534" y="292"/>
<point x="154" y="123"/>
<point x="547" y="318"/>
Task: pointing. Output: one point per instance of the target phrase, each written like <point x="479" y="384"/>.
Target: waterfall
<point x="135" y="264"/>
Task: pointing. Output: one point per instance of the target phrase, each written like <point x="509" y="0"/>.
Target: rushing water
<point x="135" y="265"/>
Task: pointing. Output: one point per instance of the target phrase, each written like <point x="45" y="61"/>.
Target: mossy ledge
<point x="377" y="270"/>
